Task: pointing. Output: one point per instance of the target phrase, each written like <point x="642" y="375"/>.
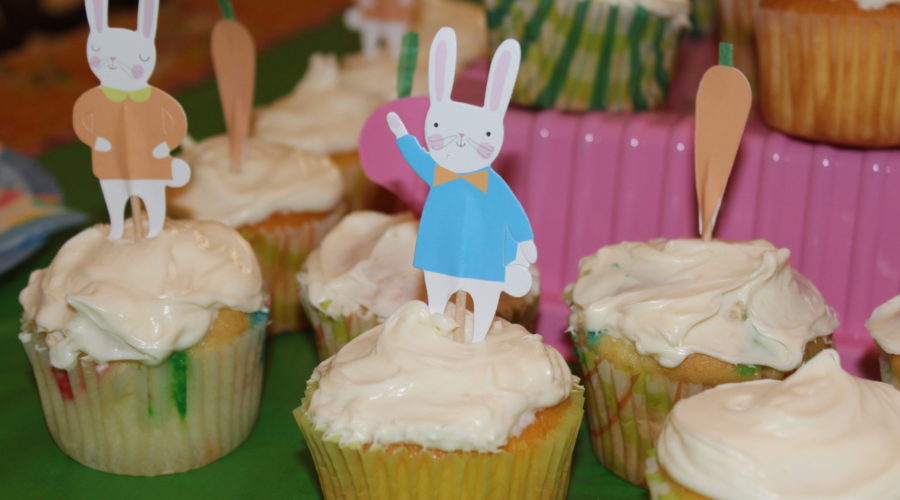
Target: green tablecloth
<point x="273" y="462"/>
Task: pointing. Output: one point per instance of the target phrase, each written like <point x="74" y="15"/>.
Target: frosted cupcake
<point x="363" y="272"/>
<point x="656" y="322"/>
<point x="821" y="433"/>
<point x="281" y="199"/>
<point x="407" y="411"/>
<point x="884" y="325"/>
<point x="148" y="355"/>
<point x="324" y="116"/>
<point x="582" y="55"/>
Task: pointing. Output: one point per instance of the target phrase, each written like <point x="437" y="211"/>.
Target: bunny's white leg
<point x="153" y="194"/>
<point x="485" y="296"/>
<point x="115" y="194"/>
<point x="439" y="288"/>
<point x="393" y="34"/>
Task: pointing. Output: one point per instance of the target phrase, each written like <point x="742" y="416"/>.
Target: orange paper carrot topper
<point x="723" y="104"/>
<point x="234" y="61"/>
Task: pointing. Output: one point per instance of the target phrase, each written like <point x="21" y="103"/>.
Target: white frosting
<point x="736" y="301"/>
<point x="677" y="10"/>
<point x="377" y="77"/>
<point x="320" y="115"/>
<point x="409" y="381"/>
<point x="273" y="178"/>
<point x="117" y="300"/>
<point x="875" y="4"/>
<point x="365" y="265"/>
<point x="884" y="325"/>
<point x="820" y="434"/>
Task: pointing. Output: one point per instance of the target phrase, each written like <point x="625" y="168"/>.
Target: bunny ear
<point x="442" y="65"/>
<point x="148" y="11"/>
<point x="502" y="76"/>
<point x="96" y="14"/>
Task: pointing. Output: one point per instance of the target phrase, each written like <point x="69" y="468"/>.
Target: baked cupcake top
<point x="409" y="381"/>
<point x="119" y="300"/>
<point x="736" y="301"/>
<point x="820" y="434"/>
<point x="273" y="178"/>
<point x="884" y="325"/>
<point x="321" y="115"/>
<point x="366" y="262"/>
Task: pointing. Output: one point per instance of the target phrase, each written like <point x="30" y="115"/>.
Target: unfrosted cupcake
<point x="148" y="355"/>
<point x="281" y="199"/>
<point x="363" y="272"/>
<point x="884" y="325"/>
<point x="821" y="433"/>
<point x="616" y="55"/>
<point x="829" y="70"/>
<point x="323" y="115"/>
<point x="407" y="411"/>
<point x="656" y="322"/>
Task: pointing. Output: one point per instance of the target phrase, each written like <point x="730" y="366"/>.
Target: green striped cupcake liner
<point x="886" y="361"/>
<point x="703" y="18"/>
<point x="125" y="417"/>
<point x="656" y="482"/>
<point x="580" y="55"/>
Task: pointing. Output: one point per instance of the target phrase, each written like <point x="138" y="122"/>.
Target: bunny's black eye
<point x="143" y="59"/>
<point x="488" y="134"/>
<point x="95" y="49"/>
<point x="435" y="124"/>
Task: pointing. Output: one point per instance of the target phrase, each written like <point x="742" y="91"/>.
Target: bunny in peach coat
<point x="130" y="125"/>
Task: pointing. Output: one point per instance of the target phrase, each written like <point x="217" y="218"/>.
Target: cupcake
<point x="821" y="433"/>
<point x="324" y="116"/>
<point x="584" y="55"/>
<point x="407" y="411"/>
<point x="884" y="325"/>
<point x="829" y="71"/>
<point x="281" y="199"/>
<point x="148" y="355"/>
<point x="656" y="322"/>
<point x="363" y="272"/>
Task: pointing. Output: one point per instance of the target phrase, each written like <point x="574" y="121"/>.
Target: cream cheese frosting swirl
<point x="273" y="178"/>
<point x="408" y="381"/>
<point x="736" y="301"/>
<point x="120" y="300"/>
<point x="365" y="266"/>
<point x="884" y="325"/>
<point x="820" y="434"/>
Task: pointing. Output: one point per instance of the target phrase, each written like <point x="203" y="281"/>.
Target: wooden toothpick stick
<point x="137" y="216"/>
<point x="461" y="311"/>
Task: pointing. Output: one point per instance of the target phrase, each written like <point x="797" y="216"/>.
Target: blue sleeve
<point x="417" y="158"/>
<point x="517" y="222"/>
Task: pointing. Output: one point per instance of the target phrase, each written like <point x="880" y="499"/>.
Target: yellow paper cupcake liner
<point x="539" y="469"/>
<point x="125" y="417"/>
<point x="663" y="487"/>
<point x="281" y="250"/>
<point x="831" y="78"/>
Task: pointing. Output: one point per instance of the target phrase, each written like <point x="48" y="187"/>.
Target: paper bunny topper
<point x="130" y="126"/>
<point x="474" y="235"/>
<point x="381" y="21"/>
<point x="722" y="106"/>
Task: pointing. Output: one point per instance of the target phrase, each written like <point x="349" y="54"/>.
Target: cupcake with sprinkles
<point x="148" y="354"/>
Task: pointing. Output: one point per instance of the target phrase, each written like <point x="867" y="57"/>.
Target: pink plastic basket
<point x="593" y="179"/>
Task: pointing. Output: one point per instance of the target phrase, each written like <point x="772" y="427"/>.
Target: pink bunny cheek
<point x="95" y="62"/>
<point x="137" y="71"/>
<point x="435" y="141"/>
<point x="484" y="150"/>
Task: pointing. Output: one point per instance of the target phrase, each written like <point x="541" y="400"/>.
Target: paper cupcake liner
<point x="662" y="487"/>
<point x="735" y="19"/>
<point x="890" y="368"/>
<point x="125" y="417"/>
<point x="332" y="332"/>
<point x="281" y="250"/>
<point x="703" y="18"/>
<point x="579" y="55"/>
<point x="831" y="78"/>
<point x="536" y="469"/>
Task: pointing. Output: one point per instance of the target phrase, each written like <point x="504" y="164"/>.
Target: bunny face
<point x="462" y="137"/>
<point x="121" y="58"/>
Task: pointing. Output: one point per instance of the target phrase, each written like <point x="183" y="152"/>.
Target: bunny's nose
<point x="461" y="135"/>
<point x="112" y="58"/>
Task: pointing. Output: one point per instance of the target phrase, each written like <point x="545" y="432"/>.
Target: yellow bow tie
<point x="478" y="179"/>
<point x="116" y="95"/>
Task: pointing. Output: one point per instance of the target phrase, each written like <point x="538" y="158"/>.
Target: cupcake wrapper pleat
<point x="540" y="471"/>
<point x="125" y="417"/>
<point x="830" y="78"/>
<point x="580" y="55"/>
<point x="281" y="251"/>
<point x="888" y="364"/>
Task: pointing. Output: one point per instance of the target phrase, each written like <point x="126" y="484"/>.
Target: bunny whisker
<point x="438" y="141"/>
